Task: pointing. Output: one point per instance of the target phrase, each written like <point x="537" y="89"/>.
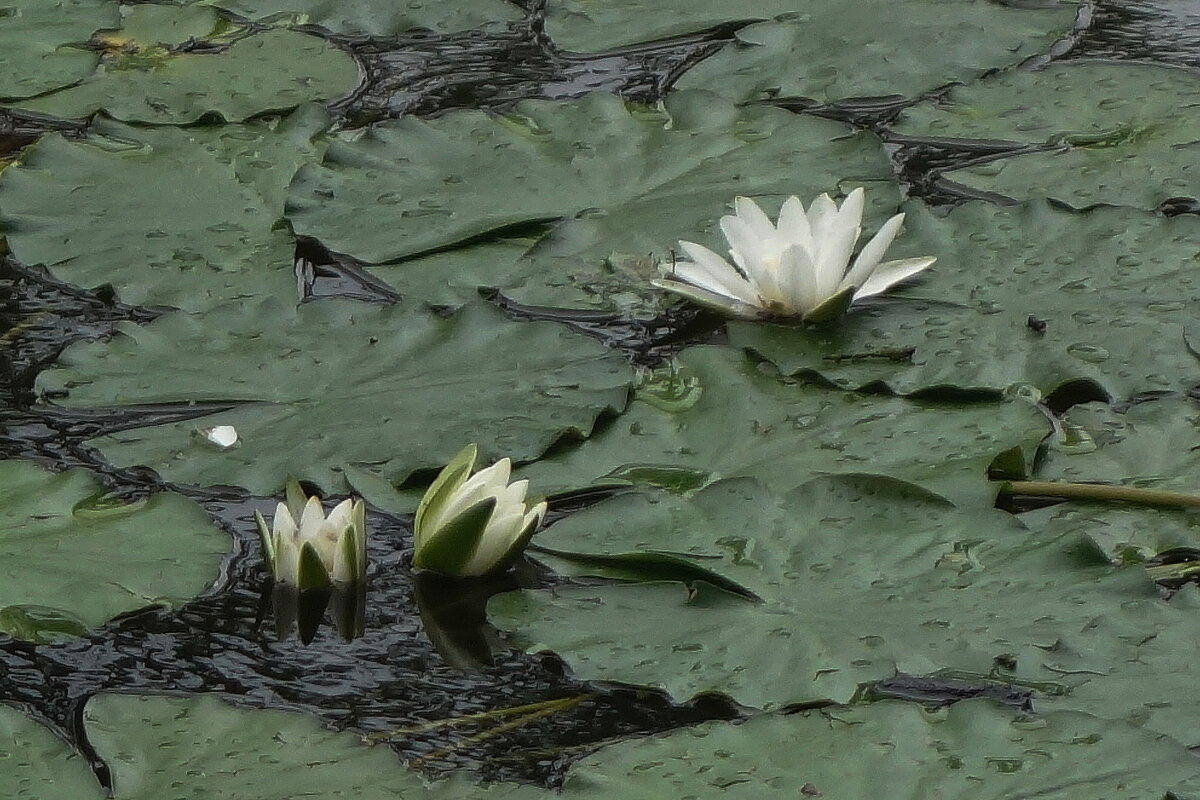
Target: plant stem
<point x="1103" y="493"/>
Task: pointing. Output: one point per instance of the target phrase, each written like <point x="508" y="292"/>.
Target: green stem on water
<point x="1103" y="493"/>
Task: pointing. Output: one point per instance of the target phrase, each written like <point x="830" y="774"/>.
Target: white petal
<point x="221" y="436"/>
<point x="287" y="559"/>
<point x="311" y="520"/>
<point x="497" y="539"/>
<point x="793" y="224"/>
<point x="822" y="213"/>
<point x="890" y="273"/>
<point x="760" y="258"/>
<point x="759" y="223"/>
<point x="721" y="303"/>
<point x="709" y="271"/>
<point x="745" y="246"/>
<point x="834" y="249"/>
<point x="872" y="253"/>
<point x="283" y="524"/>
<point x="340" y="517"/>
<point x="538" y="513"/>
<point x="800" y="290"/>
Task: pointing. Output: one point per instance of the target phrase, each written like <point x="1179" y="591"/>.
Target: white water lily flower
<point x="469" y="525"/>
<point x="798" y="267"/>
<point x="307" y="550"/>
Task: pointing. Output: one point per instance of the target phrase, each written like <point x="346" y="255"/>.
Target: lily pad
<point x="1150" y="445"/>
<point x="183" y="218"/>
<point x="1147" y="681"/>
<point x="376" y="17"/>
<point x="1120" y="133"/>
<point x="159" y="747"/>
<point x="833" y="50"/>
<point x="595" y="25"/>
<point x="333" y="382"/>
<point x="34" y="763"/>
<point x="975" y="750"/>
<point x="1024" y="295"/>
<point x="614" y="179"/>
<point x="720" y="414"/>
<point x="861" y="577"/>
<point x="69" y="562"/>
<point x="143" y="80"/>
<point x="1154" y="444"/>
<point x="39" y="43"/>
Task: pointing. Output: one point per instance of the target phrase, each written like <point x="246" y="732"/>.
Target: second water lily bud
<point x="470" y="525"/>
<point x="307" y="550"/>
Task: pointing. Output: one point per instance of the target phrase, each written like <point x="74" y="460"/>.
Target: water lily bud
<point x="307" y="550"/>
<point x="795" y="268"/>
<point x="468" y="525"/>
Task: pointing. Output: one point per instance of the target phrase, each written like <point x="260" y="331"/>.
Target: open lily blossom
<point x="469" y="525"/>
<point x="307" y="550"/>
<point x="799" y="267"/>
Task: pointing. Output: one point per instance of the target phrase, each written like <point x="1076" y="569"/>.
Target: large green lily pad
<point x="723" y="415"/>
<point x="861" y="577"/>
<point x="594" y="25"/>
<point x="202" y="747"/>
<point x="183" y="218"/>
<point x="376" y="17"/>
<point x="1114" y="288"/>
<point x="1122" y="133"/>
<point x="974" y="750"/>
<point x="37" y="765"/>
<point x="1149" y="682"/>
<point x="71" y="562"/>
<point x="144" y="81"/>
<point x="39" y="42"/>
<point x="833" y="50"/>
<point x="619" y="182"/>
<point x="334" y="382"/>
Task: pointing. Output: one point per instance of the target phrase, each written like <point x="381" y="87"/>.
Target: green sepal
<point x="832" y="309"/>
<point x="358" y="518"/>
<point x="350" y="553"/>
<point x="452" y="476"/>
<point x="449" y="550"/>
<point x="267" y="541"/>
<point x="311" y="573"/>
<point x="294" y="498"/>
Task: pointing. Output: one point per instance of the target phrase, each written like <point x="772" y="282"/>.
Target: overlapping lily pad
<point x="158" y="746"/>
<point x="1120" y="133"/>
<point x="39" y="43"/>
<point x="184" y="218"/>
<point x="71" y="561"/>
<point x="1024" y="295"/>
<point x="723" y="415"/>
<point x="396" y="387"/>
<point x="143" y="79"/>
<point x="617" y="181"/>
<point x="34" y="763"/>
<point x="594" y="25"/>
<point x="832" y="50"/>
<point x="972" y="751"/>
<point x="1151" y="445"/>
<point x="861" y="577"/>
<point x="376" y="17"/>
